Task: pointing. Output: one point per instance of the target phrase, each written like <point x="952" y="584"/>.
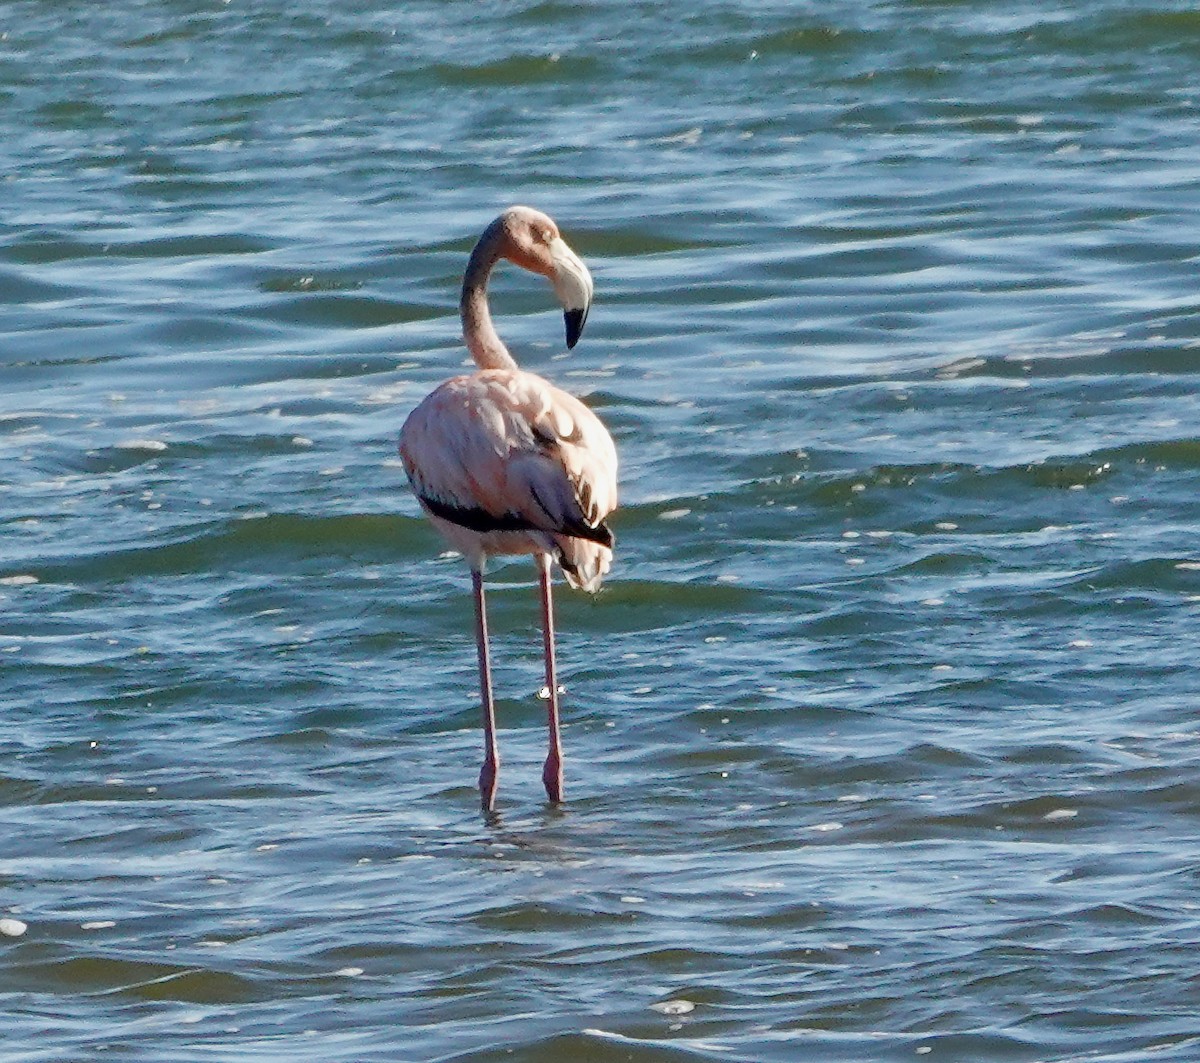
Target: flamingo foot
<point x="552" y="778"/>
<point x="488" y="778"/>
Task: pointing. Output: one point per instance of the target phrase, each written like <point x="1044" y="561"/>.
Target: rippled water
<point x="881" y="741"/>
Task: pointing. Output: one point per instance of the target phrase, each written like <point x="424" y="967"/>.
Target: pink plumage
<point x="527" y="469"/>
<point x="503" y="462"/>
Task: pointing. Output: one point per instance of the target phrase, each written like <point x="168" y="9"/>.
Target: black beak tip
<point x="574" y="320"/>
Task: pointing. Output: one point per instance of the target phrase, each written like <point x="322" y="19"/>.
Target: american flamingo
<point x="503" y="462"/>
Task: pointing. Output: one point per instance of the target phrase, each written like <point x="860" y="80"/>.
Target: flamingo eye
<point x="547" y="236"/>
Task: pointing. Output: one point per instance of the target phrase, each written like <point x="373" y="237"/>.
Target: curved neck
<point x="486" y="347"/>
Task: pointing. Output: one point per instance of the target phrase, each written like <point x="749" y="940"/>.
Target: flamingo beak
<point x="574" y="321"/>
<point x="573" y="286"/>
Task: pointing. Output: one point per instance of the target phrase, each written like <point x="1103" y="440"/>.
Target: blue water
<point x="881" y="739"/>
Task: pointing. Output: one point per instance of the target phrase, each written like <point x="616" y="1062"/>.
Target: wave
<point x="247" y="541"/>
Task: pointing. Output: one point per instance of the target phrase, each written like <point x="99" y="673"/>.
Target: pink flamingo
<point x="503" y="462"/>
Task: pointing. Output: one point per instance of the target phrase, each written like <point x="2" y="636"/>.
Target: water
<point x="881" y="741"/>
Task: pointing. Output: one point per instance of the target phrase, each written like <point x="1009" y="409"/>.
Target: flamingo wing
<point x="507" y="451"/>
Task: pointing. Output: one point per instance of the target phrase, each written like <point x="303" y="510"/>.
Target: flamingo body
<point x="504" y="462"/>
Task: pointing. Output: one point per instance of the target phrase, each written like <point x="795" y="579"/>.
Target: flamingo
<point x="503" y="462"/>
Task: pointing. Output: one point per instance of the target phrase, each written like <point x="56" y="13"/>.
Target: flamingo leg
<point x="491" y="755"/>
<point x="552" y="772"/>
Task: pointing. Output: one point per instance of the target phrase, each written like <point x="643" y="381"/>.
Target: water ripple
<point x="879" y="741"/>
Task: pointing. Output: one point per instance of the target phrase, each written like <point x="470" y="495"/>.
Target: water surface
<point x="880" y="741"/>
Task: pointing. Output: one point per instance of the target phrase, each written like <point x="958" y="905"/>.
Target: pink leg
<point x="491" y="756"/>
<point x="552" y="772"/>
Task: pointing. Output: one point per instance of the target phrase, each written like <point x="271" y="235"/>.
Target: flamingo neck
<point x="485" y="345"/>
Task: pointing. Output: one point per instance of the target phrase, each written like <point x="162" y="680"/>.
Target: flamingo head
<point x="533" y="242"/>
